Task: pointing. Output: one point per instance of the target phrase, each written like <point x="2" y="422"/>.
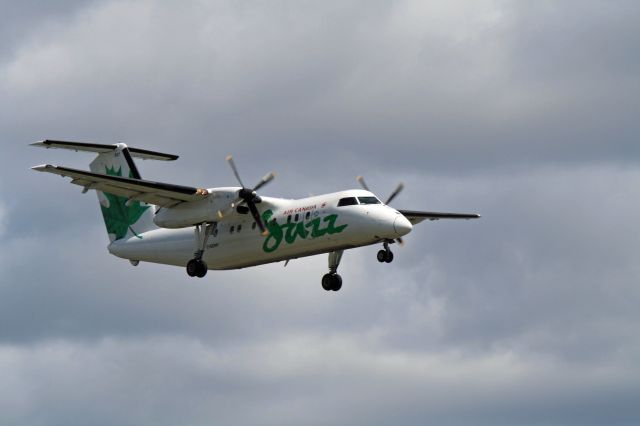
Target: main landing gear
<point x="385" y="255"/>
<point x="197" y="267"/>
<point x="332" y="281"/>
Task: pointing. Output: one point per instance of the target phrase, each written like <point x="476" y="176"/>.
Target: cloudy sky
<point x="526" y="112"/>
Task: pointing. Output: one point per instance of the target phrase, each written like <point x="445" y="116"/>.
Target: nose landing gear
<point x="385" y="255"/>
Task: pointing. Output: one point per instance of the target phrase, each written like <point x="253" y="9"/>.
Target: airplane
<point x="230" y="227"/>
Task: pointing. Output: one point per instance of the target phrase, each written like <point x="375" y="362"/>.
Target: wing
<point x="417" y="217"/>
<point x="158" y="193"/>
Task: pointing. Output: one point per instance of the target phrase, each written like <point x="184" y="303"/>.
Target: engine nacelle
<point x="196" y="212"/>
<point x="186" y="214"/>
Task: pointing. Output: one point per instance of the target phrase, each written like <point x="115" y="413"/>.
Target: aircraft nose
<point x="401" y="225"/>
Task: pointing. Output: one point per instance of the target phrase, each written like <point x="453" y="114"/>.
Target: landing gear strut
<point x="196" y="267"/>
<point x="385" y="255"/>
<point x="332" y="281"/>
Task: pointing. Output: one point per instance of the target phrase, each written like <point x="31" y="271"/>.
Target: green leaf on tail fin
<point x="119" y="217"/>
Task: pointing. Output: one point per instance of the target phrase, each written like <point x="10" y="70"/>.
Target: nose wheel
<point x="385" y="255"/>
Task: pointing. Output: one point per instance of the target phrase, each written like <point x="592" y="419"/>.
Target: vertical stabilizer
<point x="124" y="218"/>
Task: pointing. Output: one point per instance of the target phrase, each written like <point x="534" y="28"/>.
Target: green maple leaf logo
<point x="119" y="217"/>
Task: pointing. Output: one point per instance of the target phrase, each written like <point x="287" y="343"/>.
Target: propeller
<point x="362" y="182"/>
<point x="393" y="195"/>
<point x="248" y="195"/>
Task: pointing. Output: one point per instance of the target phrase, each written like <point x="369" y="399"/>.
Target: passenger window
<point x="308" y="215"/>
<point x="232" y="229"/>
<point x="239" y="228"/>
<point x="297" y="217"/>
<point x="368" y="200"/>
<point x="349" y="201"/>
<point x="289" y="219"/>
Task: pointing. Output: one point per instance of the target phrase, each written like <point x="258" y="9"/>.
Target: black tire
<point x="389" y="257"/>
<point x="192" y="267"/>
<point x="326" y="282"/>
<point x="382" y="256"/>
<point x="202" y="269"/>
<point x="336" y="282"/>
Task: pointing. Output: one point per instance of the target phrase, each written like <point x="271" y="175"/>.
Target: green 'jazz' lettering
<point x="289" y="232"/>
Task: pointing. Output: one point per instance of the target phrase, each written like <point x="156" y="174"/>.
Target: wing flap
<point x="158" y="193"/>
<point x="418" y="216"/>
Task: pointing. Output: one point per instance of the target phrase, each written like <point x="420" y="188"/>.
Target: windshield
<point x="349" y="201"/>
<point x="368" y="200"/>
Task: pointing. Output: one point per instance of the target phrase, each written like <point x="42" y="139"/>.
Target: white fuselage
<point x="296" y="228"/>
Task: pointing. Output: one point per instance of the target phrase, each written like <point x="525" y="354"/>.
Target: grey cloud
<point x="325" y="81"/>
<point x="3" y="216"/>
<point x="243" y="385"/>
<point x="20" y="19"/>
<point x="546" y="257"/>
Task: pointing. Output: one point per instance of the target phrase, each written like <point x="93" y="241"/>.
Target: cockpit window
<point x="349" y="201"/>
<point x="368" y="200"/>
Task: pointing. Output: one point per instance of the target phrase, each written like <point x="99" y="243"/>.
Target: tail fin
<point x="124" y="218"/>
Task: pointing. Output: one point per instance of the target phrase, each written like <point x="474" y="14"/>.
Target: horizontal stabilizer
<point x="101" y="148"/>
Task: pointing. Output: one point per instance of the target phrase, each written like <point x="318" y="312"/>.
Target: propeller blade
<point x="395" y="193"/>
<point x="265" y="180"/>
<point x="364" y="185"/>
<point x="235" y="170"/>
<point x="257" y="218"/>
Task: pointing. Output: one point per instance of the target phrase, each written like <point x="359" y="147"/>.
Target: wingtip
<point x="41" y="167"/>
